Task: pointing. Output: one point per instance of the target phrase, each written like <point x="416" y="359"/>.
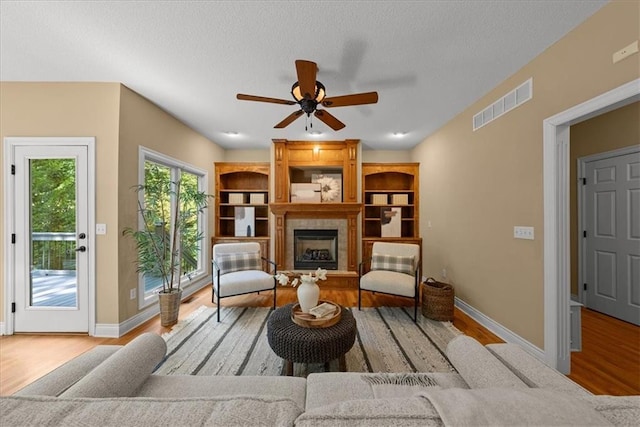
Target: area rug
<point x="387" y="341"/>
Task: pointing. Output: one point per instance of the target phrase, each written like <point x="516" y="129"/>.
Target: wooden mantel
<point x="305" y="154"/>
<point x="316" y="210"/>
<point x="348" y="211"/>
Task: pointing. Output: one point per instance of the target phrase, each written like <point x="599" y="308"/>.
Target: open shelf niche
<point x="242" y="185"/>
<point x="387" y="187"/>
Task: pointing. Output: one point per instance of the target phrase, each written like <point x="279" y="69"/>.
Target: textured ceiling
<point x="428" y="60"/>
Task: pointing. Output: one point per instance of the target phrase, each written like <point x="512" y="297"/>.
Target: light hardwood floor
<point x="608" y="364"/>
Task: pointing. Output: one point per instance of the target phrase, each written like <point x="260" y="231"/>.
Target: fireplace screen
<point x="315" y="248"/>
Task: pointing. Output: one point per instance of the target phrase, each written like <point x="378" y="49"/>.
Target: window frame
<point x="177" y="167"/>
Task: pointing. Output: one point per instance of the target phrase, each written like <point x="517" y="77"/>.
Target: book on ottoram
<point x="322" y="310"/>
<point x="391" y="222"/>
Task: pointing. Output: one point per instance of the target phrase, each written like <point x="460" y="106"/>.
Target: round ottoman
<point x="297" y="344"/>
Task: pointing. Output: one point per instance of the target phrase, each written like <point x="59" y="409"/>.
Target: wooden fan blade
<point x="289" y="119"/>
<point x="329" y="120"/>
<point x="307" y="71"/>
<point x="244" y="97"/>
<point x="355" y="99"/>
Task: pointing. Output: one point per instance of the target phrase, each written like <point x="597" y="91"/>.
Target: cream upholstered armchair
<point x="394" y="269"/>
<point x="239" y="268"/>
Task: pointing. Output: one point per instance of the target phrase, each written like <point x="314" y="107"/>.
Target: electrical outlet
<point x="132" y="293"/>
<point x="520" y="232"/>
<point x="444" y="273"/>
<point x="625" y="52"/>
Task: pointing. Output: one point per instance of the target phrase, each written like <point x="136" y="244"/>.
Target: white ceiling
<point x="428" y="60"/>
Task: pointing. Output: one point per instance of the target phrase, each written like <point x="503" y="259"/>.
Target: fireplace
<point x="315" y="248"/>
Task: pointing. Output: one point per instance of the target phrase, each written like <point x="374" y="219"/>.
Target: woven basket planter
<point x="169" y="307"/>
<point x="437" y="300"/>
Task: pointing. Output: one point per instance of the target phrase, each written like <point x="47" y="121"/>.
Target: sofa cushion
<point x="478" y="366"/>
<point x="400" y="264"/>
<point x="241" y="261"/>
<point x="138" y="411"/>
<point x="390" y="412"/>
<point x="123" y="372"/>
<point x="328" y="388"/>
<point x="293" y="388"/>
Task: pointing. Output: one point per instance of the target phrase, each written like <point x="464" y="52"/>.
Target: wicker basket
<point x="437" y="300"/>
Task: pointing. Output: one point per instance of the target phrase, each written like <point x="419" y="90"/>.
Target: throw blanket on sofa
<point x="511" y="407"/>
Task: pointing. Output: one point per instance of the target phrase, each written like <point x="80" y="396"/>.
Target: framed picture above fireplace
<point x="330" y="186"/>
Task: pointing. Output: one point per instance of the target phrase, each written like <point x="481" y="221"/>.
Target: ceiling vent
<point x="513" y="99"/>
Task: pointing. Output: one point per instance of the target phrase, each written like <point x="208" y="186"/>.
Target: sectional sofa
<point x="497" y="384"/>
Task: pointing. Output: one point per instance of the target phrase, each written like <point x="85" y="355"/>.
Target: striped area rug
<point x="387" y="341"/>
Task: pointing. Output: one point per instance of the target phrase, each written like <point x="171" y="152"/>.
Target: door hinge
<point x="584" y="181"/>
<point x="584" y="233"/>
<point x="13" y="169"/>
<point x="13" y="238"/>
<point x="13" y="307"/>
<point x="584" y="286"/>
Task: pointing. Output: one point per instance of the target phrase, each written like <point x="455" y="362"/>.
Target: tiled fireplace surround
<point x="317" y="224"/>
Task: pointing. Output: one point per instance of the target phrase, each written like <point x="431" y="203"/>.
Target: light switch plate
<point x="101" y="228"/>
<point x="521" y="232"/>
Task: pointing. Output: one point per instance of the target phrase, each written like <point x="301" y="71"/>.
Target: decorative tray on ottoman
<point x="308" y="320"/>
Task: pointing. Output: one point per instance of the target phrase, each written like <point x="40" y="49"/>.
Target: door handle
<point x="81" y="249"/>
<point x="82" y="236"/>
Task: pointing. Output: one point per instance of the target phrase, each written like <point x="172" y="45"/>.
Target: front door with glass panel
<point x="52" y="245"/>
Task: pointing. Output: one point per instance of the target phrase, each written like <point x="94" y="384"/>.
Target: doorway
<point x="610" y="216"/>
<point x="50" y="268"/>
<point x="556" y="217"/>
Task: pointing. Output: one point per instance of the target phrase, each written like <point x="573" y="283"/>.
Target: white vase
<point x="308" y="293"/>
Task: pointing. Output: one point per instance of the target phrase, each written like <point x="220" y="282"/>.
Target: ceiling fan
<point x="309" y="93"/>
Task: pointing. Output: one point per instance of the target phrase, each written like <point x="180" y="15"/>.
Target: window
<point x="156" y="167"/>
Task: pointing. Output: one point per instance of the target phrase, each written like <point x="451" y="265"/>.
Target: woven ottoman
<point x="296" y="344"/>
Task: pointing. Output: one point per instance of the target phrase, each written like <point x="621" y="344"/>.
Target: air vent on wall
<point x="516" y="97"/>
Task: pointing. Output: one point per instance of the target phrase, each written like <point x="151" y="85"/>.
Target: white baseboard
<point x="107" y="330"/>
<point x="499" y="330"/>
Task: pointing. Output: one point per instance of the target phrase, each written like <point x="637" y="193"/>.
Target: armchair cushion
<point x="390" y="282"/>
<point x="241" y="261"/>
<point x="242" y="282"/>
<point x="397" y="263"/>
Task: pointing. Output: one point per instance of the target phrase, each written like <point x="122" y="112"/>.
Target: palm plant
<point x="167" y="240"/>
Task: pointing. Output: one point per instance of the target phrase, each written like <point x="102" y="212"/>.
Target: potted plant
<point x="166" y="236"/>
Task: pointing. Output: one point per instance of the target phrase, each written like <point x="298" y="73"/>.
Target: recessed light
<point x="399" y="134"/>
<point x="315" y="133"/>
<point x="231" y="133"/>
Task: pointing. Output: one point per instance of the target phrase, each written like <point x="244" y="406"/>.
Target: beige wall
<point x="73" y="109"/>
<point x="247" y="156"/>
<point x="386" y="156"/>
<point x="476" y="186"/>
<point x="120" y="120"/>
<point x="144" y="124"/>
<point x="615" y="129"/>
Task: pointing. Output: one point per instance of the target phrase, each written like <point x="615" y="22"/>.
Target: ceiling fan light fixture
<point x="318" y="96"/>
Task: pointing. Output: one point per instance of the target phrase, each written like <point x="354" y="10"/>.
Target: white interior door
<point x="612" y="222"/>
<point x="52" y="240"/>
